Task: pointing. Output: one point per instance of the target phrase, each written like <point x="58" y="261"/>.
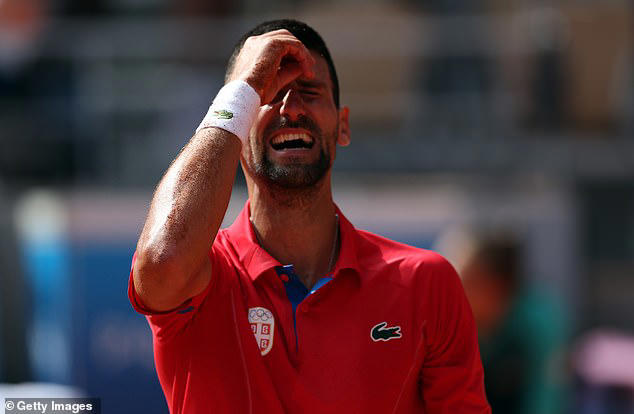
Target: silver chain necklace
<point x="334" y="244"/>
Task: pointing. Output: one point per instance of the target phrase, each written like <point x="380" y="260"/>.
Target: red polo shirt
<point x="392" y="332"/>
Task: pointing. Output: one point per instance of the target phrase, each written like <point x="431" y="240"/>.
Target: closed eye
<point x="313" y="93"/>
<point x="309" y="92"/>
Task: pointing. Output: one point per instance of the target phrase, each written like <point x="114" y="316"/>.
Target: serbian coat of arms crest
<point x="263" y="327"/>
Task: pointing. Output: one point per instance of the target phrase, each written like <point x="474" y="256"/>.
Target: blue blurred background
<point x="469" y="118"/>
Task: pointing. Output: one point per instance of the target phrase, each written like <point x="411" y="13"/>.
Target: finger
<point x="277" y="32"/>
<point x="296" y="48"/>
<point x="303" y="57"/>
<point x="288" y="73"/>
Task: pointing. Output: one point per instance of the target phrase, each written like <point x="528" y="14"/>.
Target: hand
<point x="271" y="61"/>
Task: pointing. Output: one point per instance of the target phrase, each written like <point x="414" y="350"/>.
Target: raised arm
<point x="191" y="199"/>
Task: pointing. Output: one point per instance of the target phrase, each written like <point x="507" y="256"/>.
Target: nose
<point x="292" y="105"/>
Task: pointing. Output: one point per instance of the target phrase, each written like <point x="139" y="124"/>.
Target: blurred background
<point x="500" y="133"/>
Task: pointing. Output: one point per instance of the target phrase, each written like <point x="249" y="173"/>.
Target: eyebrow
<point x="311" y="83"/>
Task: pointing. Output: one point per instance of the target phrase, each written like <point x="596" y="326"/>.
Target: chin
<point x="295" y="177"/>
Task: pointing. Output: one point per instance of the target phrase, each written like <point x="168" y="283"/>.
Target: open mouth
<point x="292" y="141"/>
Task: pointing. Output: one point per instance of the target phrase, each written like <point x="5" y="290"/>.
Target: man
<point x="521" y="329"/>
<point x="291" y="309"/>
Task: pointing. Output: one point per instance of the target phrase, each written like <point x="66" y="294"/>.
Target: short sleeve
<point x="452" y="377"/>
<point x="167" y="324"/>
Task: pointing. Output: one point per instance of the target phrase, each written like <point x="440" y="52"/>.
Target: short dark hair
<point x="501" y="254"/>
<point x="306" y="34"/>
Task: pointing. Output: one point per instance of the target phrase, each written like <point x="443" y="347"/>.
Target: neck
<point x="297" y="227"/>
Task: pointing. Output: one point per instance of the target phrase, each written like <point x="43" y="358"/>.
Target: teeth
<point x="291" y="137"/>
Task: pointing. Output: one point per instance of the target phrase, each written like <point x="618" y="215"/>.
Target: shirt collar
<point x="257" y="261"/>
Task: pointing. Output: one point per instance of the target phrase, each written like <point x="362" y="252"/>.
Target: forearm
<point x="184" y="216"/>
<point x="190" y="201"/>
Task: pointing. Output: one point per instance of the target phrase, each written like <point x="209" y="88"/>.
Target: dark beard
<point x="294" y="175"/>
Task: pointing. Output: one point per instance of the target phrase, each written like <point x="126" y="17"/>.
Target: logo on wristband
<point x="223" y="114"/>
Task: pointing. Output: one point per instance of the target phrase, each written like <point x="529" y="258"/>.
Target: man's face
<point x="293" y="141"/>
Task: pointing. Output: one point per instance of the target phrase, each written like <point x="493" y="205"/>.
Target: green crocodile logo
<point x="380" y="333"/>
<point x="223" y="114"/>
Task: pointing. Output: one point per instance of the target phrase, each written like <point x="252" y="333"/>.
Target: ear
<point x="343" y="138"/>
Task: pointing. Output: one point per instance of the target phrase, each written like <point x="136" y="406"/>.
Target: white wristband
<point x="234" y="109"/>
